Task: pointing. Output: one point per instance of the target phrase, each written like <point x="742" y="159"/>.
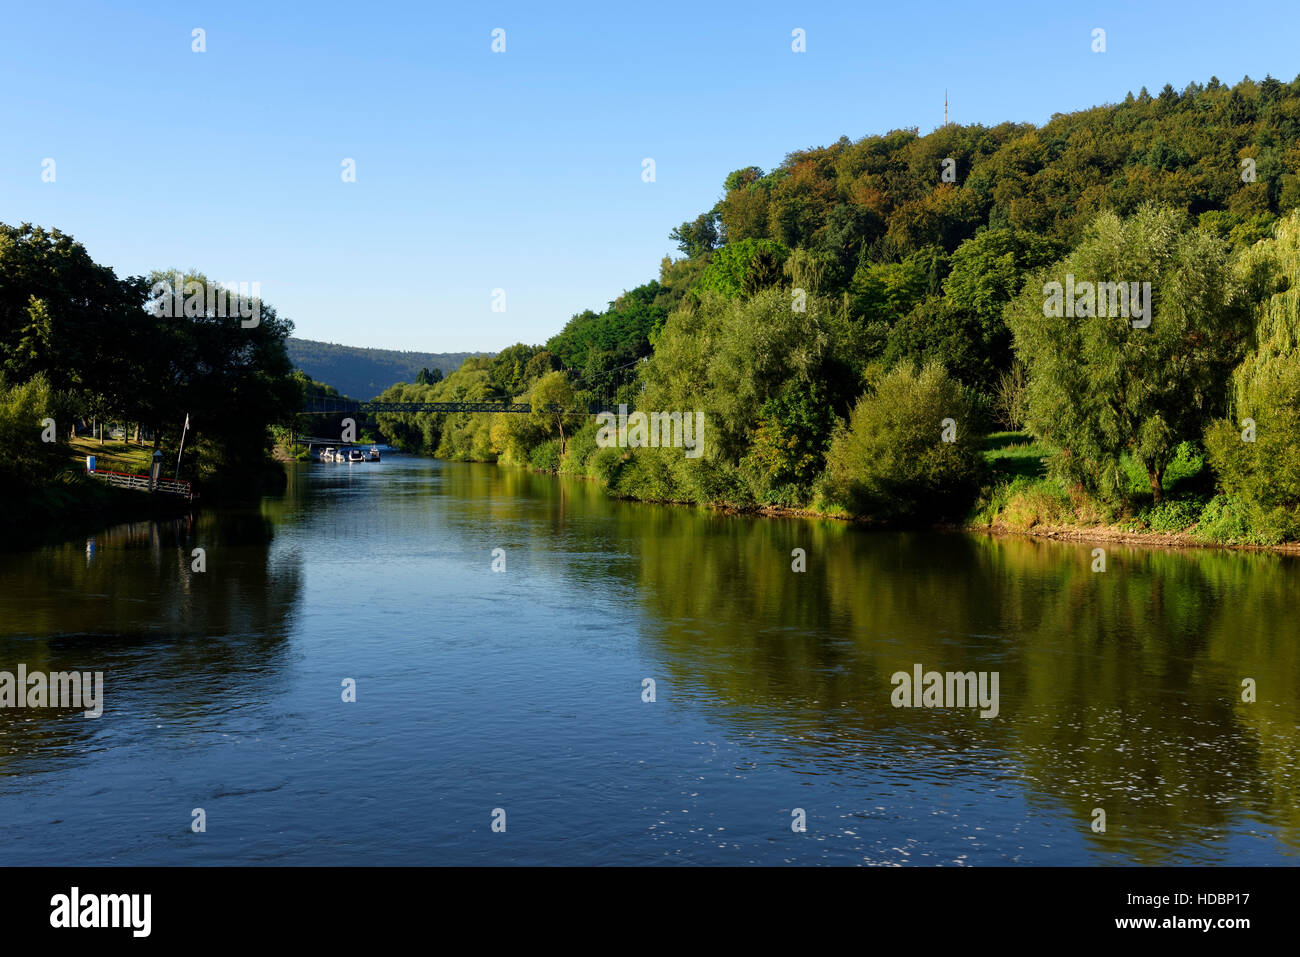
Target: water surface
<point x="522" y="689"/>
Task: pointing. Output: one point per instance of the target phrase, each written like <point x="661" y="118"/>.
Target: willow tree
<point x="1256" y="450"/>
<point x="729" y="357"/>
<point x="1128" y="342"/>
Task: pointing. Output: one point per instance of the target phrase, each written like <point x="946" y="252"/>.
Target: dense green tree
<point x="801" y="199"/>
<point x="989" y="269"/>
<point x="939" y="332"/>
<point x="1099" y="386"/>
<point x="910" y="449"/>
<point x="738" y="179"/>
<point x="29" y="461"/>
<point x="790" y="442"/>
<point x="745" y="212"/>
<point x="742" y="268"/>
<point x="1256" y="449"/>
<point x="886" y="292"/>
<point x="509" y="369"/>
<point x="728" y="357"/>
<point x="74" y="321"/>
<point x="848" y="231"/>
<point x="944" y="217"/>
<point x="624" y="328"/>
<point x="228" y="373"/>
<point x="698" y="237"/>
<point x="963" y="330"/>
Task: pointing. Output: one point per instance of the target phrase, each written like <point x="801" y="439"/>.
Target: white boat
<point x="373" y="455"/>
<point x="327" y="455"/>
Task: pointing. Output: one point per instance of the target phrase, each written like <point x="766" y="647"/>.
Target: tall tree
<point x="1138" y="375"/>
<point x="554" y="402"/>
<point x="698" y="237"/>
<point x="1256" y="449"/>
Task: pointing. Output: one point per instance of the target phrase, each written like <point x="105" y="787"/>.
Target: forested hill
<point x="1227" y="156"/>
<point x="883" y="220"/>
<point x="364" y="373"/>
<point x="826" y="314"/>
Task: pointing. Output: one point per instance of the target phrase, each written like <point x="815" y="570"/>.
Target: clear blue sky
<point x="519" y="170"/>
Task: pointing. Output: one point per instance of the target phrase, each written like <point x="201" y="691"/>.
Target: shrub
<point x="1031" y="502"/>
<point x="27" y="461"/>
<point x="1226" y="520"/>
<point x="1169" y="516"/>
<point x="891" y="462"/>
<point x="581" y="447"/>
<point x="546" y="457"/>
<point x="789" y="445"/>
<point x="605" y="464"/>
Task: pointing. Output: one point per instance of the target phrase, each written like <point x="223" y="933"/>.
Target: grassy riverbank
<point x="53" y="497"/>
<point x="1021" y="497"/>
<point x="1017" y="497"/>
<point x="111" y="455"/>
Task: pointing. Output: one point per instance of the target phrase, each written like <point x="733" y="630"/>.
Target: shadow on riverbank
<point x="73" y="505"/>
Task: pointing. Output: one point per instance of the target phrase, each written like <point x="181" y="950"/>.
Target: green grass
<point x="113" y="455"/>
<point x="1012" y="455"/>
<point x="1019" y="495"/>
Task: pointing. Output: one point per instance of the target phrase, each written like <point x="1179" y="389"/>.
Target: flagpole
<point x="182" y="448"/>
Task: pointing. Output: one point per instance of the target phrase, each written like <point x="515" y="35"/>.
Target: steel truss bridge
<point x="327" y="405"/>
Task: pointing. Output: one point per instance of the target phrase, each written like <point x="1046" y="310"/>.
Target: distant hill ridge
<point x="364" y="373"/>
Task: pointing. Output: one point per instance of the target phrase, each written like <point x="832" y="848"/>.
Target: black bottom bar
<point x="376" y="905"/>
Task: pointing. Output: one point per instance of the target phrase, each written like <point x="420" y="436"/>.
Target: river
<point x="519" y="694"/>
